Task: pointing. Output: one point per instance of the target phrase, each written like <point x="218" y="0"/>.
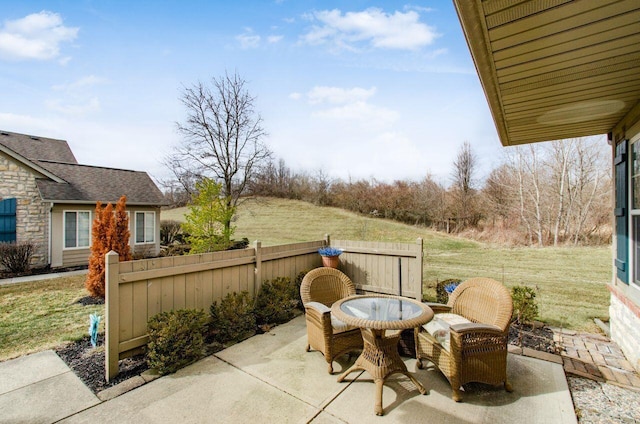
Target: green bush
<point x="16" y="257"/>
<point x="233" y="318"/>
<point x="295" y="287"/>
<point x="176" y="339"/>
<point x="441" y="294"/>
<point x="525" y="306"/>
<point x="275" y="302"/>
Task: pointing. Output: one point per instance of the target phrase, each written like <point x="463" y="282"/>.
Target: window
<point x="77" y="229"/>
<point x="145" y="227"/>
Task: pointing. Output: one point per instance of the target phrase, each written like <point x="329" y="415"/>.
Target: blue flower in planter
<point x="449" y="288"/>
<point x="329" y="251"/>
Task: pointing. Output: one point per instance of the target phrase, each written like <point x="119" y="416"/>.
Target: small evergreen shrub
<point x="176" y="339"/>
<point x="16" y="257"/>
<point x="525" y="306"/>
<point x="442" y="295"/>
<point x="275" y="302"/>
<point x="295" y="287"/>
<point x="233" y="318"/>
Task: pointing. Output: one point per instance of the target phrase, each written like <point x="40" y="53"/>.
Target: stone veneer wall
<point x="32" y="223"/>
<point x="624" y="321"/>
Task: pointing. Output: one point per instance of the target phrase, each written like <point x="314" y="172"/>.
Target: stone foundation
<point x="625" y="327"/>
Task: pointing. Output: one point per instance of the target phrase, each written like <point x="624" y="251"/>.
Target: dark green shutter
<point x="8" y="220"/>
<point x="621" y="213"/>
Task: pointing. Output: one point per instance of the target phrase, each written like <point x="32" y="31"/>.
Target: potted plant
<point x="330" y="256"/>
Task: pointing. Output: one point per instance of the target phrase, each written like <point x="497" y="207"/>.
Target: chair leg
<point x="331" y="367"/>
<point x="419" y="364"/>
<point x="456" y="395"/>
<point x="308" y="347"/>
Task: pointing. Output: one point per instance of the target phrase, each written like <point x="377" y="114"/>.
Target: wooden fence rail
<point x="138" y="290"/>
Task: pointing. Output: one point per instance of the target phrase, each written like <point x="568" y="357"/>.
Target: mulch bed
<point x="87" y="363"/>
<point x="534" y="337"/>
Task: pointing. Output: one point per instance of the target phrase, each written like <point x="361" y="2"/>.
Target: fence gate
<point x="8" y="220"/>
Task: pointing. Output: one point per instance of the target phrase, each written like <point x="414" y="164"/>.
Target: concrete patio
<point x="271" y="378"/>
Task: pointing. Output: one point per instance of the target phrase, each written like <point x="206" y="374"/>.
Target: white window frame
<point x="153" y="233"/>
<point x="64" y="229"/>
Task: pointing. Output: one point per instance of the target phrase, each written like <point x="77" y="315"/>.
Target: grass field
<point x="571" y="281"/>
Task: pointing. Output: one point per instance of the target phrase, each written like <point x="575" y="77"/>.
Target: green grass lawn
<point x="43" y="314"/>
<point x="571" y="281"/>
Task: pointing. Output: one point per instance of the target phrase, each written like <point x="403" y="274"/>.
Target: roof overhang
<point x="554" y="69"/>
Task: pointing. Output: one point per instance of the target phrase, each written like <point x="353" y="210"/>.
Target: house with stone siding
<point x="48" y="198"/>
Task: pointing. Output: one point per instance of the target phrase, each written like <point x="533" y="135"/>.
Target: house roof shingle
<point x="92" y="183"/>
<point x="81" y="183"/>
<point x="36" y="147"/>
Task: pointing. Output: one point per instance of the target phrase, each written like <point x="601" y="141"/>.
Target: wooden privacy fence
<point x="138" y="290"/>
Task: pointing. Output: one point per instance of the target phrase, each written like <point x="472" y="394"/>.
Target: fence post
<point x="112" y="316"/>
<point x="420" y="271"/>
<point x="327" y="240"/>
<point x="257" y="280"/>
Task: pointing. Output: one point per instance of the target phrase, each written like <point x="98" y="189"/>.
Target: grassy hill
<point x="571" y="281"/>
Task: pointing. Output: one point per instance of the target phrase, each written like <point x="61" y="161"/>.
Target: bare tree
<point x="222" y="137"/>
<point x="464" y="170"/>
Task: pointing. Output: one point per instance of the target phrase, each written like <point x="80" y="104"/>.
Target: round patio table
<point x="374" y="314"/>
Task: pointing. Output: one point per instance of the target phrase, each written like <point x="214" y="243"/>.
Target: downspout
<point x="49" y="242"/>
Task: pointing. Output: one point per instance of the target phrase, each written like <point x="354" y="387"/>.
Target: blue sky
<point x="382" y="90"/>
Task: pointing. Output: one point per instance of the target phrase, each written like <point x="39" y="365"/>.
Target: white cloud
<point x="295" y="96"/>
<point x="337" y="95"/>
<point x="351" y="106"/>
<point x="363" y="113"/>
<point x="35" y="37"/>
<point x="82" y="83"/>
<point x="248" y="40"/>
<point x="274" y="38"/>
<point x="92" y="105"/>
<point x="402" y="31"/>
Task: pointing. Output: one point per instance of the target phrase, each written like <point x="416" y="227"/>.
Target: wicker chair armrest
<point x="317" y="307"/>
<point x="438" y="307"/>
<point x="477" y="328"/>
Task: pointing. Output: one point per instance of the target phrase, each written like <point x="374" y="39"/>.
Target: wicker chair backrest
<point x="326" y="285"/>
<point x="483" y="300"/>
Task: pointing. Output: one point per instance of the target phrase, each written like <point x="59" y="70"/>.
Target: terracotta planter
<point x="331" y="261"/>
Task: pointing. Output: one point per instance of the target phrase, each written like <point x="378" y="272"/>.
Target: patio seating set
<point x="466" y="339"/>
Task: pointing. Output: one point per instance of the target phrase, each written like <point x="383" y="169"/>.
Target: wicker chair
<point x="477" y="350"/>
<point x="320" y="288"/>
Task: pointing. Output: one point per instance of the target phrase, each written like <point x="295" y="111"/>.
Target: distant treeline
<point x="540" y="194"/>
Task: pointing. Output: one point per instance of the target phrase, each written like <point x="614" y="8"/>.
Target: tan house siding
<point x="62" y="257"/>
<point x="32" y="218"/>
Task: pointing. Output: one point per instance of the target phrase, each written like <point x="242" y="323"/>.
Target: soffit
<point x="554" y="69"/>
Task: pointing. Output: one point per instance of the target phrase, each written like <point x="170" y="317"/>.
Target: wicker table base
<point x="380" y="358"/>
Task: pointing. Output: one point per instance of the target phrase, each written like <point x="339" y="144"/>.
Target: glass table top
<point x="382" y="308"/>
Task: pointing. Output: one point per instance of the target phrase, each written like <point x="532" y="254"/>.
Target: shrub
<point x="233" y="319"/>
<point x="16" y="257"/>
<point x="442" y="296"/>
<point x="274" y="302"/>
<point x="176" y="339"/>
<point x="525" y="306"/>
<point x="170" y="232"/>
<point x="295" y="287"/>
<point x="109" y="231"/>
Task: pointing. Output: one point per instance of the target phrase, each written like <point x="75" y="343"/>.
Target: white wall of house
<point x="32" y="223"/>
